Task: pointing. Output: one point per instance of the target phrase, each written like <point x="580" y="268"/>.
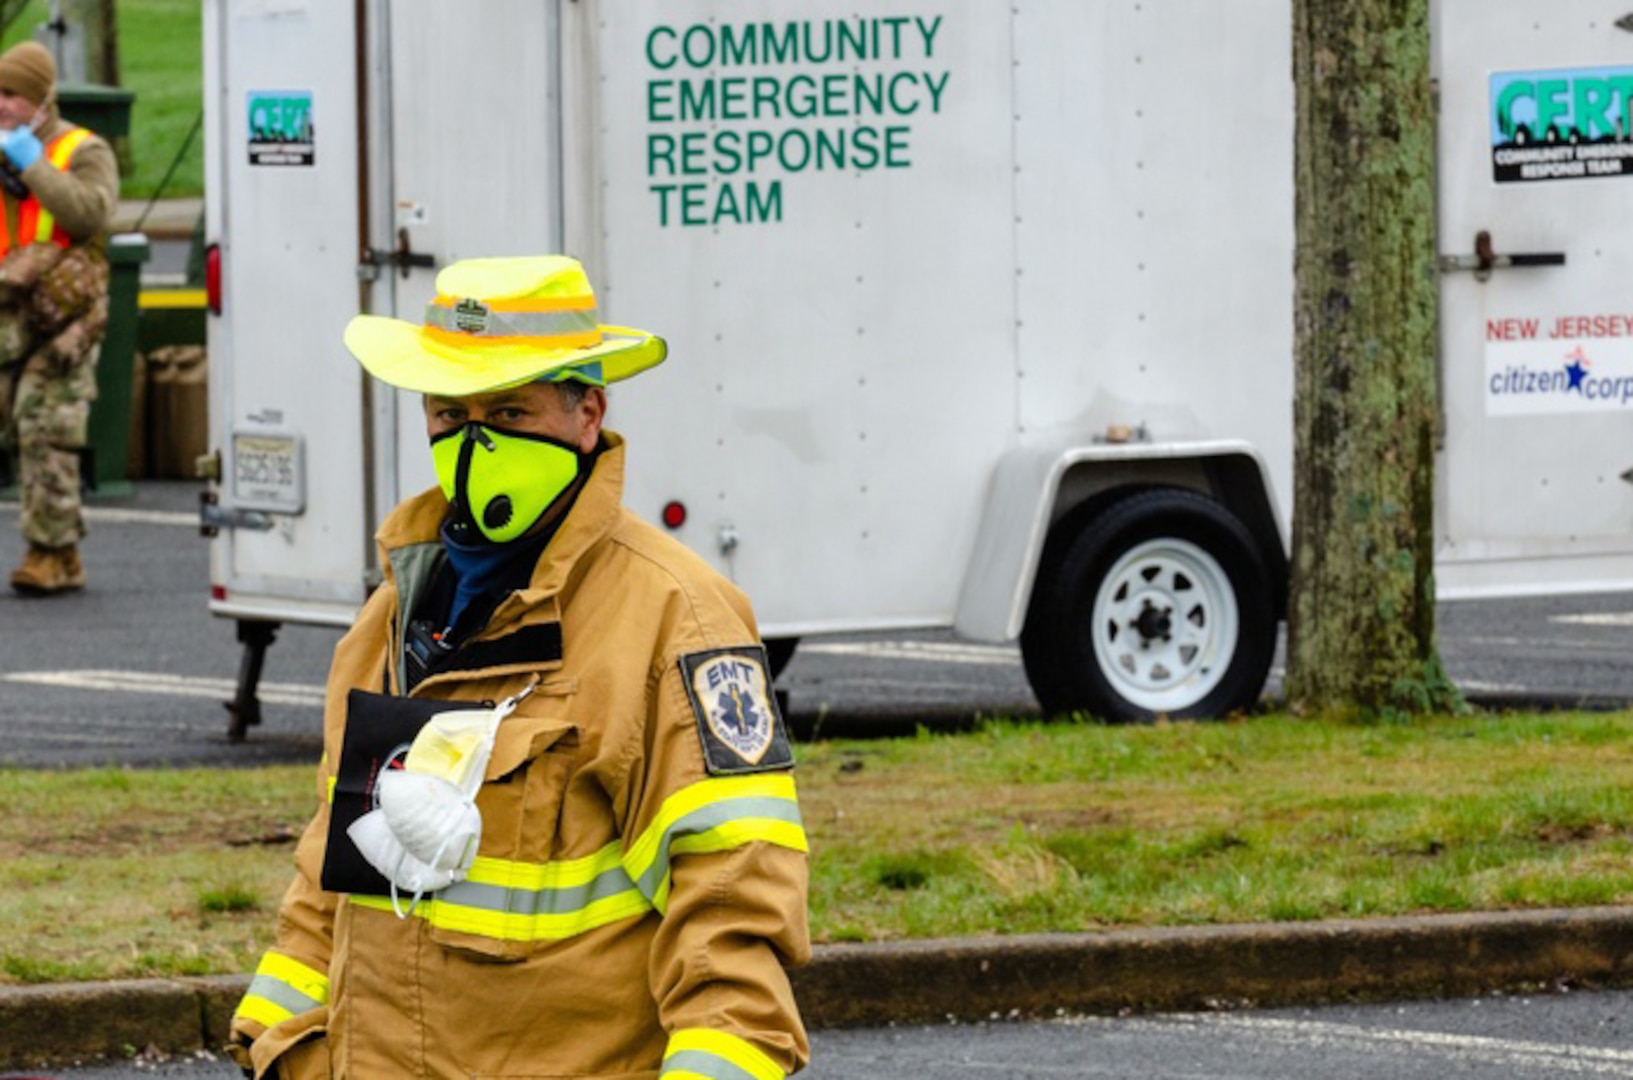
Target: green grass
<point x="161" y="60"/>
<point x="229" y="899"/>
<point x="1016" y="827"/>
<point x="1031" y="827"/>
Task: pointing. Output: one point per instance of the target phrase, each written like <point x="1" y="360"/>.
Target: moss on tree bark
<point x="1361" y="635"/>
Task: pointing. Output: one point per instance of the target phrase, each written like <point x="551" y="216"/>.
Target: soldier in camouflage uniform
<point x="60" y="188"/>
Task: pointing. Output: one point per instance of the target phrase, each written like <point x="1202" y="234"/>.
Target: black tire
<point x="1187" y="623"/>
<point x="778" y="651"/>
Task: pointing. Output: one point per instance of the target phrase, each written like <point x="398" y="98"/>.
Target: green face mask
<point x="503" y="481"/>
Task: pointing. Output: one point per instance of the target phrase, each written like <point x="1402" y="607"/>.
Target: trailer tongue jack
<point x="245" y="708"/>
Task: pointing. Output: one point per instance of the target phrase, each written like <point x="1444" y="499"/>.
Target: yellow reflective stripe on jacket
<point x="516" y="901"/>
<point x="283" y="988"/>
<point x="714" y="815"/>
<point x="519" y="901"/>
<point x="715" y="1055"/>
<point x="61" y="149"/>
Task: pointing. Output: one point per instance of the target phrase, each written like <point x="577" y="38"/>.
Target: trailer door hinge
<point x="403" y="257"/>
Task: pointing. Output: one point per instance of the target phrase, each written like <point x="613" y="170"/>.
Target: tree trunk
<point x="97" y="21"/>
<point x="1361" y="620"/>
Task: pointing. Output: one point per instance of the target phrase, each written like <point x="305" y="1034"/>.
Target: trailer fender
<point x="1035" y="485"/>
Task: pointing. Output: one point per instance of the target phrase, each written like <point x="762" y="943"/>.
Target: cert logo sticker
<point x="737" y="717"/>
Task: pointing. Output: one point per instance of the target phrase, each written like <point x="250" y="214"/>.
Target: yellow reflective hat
<point x="497" y="323"/>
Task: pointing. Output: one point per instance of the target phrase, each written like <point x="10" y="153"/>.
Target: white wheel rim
<point x="1165" y="625"/>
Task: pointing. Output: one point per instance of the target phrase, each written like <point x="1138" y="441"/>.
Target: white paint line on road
<point x="112" y="515"/>
<point x="142" y="682"/>
<point x="927" y="651"/>
<point x="60" y="738"/>
<point x="1596" y="618"/>
<point x="1555" y="1057"/>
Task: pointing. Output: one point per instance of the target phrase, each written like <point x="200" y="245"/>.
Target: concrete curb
<point x="980" y="978"/>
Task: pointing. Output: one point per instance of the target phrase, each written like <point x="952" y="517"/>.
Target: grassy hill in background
<point x="160" y="59"/>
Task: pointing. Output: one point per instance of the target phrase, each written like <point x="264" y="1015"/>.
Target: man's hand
<point x="23" y="147"/>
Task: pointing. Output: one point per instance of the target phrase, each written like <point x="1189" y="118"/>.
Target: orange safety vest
<point x="36" y="224"/>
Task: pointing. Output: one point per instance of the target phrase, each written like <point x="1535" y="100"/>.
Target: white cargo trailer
<point x="980" y="314"/>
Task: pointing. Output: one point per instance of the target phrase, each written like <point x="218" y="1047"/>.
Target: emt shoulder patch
<point x="737" y="718"/>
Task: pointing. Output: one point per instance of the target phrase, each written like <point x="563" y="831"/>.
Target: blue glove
<point x="23" y="147"/>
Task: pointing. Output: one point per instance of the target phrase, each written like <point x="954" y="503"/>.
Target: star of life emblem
<point x="732" y="691"/>
<point x="471" y="316"/>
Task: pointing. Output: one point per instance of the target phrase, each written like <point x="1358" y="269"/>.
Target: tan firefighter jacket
<point x="633" y="904"/>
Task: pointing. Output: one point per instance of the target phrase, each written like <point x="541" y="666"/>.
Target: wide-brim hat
<point x="497" y="323"/>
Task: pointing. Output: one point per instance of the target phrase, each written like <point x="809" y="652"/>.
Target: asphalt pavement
<point x="1519" y="1037"/>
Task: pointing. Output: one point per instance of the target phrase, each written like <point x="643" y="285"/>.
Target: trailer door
<point x="1536" y="173"/>
<point x="286" y="401"/>
<point x="472" y="145"/>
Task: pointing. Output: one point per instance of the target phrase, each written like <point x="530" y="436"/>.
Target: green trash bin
<point x="103" y="109"/>
<point x="111" y="412"/>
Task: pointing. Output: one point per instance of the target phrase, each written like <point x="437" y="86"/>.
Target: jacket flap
<point x="523" y="738"/>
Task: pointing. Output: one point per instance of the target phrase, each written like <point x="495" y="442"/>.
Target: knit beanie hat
<point x="27" y="70"/>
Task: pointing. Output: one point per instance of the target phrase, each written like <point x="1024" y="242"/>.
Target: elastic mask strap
<point x="470" y="436"/>
<point x="415" y="902"/>
<point x="531" y="436"/>
<point x="396" y="905"/>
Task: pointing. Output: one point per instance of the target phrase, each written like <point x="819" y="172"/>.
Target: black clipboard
<point x="379" y="729"/>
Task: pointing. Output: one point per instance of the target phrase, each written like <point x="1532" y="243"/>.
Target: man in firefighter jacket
<point x="597" y="867"/>
<point x="61" y="187"/>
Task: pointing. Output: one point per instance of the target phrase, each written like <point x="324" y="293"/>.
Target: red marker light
<point x="674" y="514"/>
<point x="218" y="592"/>
<point x="212" y="278"/>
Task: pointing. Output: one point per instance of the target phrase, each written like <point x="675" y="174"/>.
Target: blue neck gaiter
<point x="486" y="569"/>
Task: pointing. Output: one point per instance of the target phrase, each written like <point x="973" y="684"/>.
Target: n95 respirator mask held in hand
<point x="425" y="831"/>
<point x="503" y="481"/>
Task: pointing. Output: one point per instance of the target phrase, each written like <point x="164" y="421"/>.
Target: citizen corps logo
<point x="1576" y="380"/>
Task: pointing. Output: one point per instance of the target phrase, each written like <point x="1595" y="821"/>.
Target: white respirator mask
<point x="424" y="832"/>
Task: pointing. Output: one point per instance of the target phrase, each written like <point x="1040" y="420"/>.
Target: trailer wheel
<point x="1158" y="605"/>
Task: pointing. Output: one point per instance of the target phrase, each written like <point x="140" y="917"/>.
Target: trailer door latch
<point x="403" y="257"/>
<point x="1485" y="260"/>
<point x="213" y="517"/>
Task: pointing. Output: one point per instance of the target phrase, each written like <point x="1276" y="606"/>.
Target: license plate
<point x="268" y="472"/>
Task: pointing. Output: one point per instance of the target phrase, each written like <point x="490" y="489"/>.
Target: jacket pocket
<point x="295" y="1049"/>
<point x="498" y="911"/>
<point x="306" y="1061"/>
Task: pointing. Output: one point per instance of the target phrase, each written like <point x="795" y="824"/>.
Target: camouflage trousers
<point x="53" y="314"/>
